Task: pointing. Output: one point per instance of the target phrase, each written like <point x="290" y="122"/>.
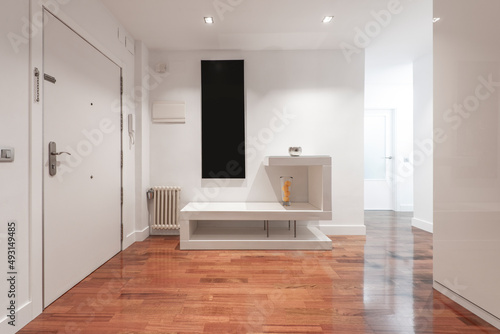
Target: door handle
<point x="53" y="158"/>
<point x="59" y="153"/>
<point x="388" y="157"/>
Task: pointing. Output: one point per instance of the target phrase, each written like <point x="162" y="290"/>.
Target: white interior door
<point x="379" y="160"/>
<point x="82" y="202"/>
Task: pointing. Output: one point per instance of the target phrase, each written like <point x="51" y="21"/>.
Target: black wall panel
<point x="223" y="119"/>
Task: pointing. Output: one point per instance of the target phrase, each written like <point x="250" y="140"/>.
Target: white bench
<point x="195" y="234"/>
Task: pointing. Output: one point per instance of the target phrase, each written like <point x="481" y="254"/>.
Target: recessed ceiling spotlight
<point x="327" y="19"/>
<point x="209" y="20"/>
<point x="434" y="20"/>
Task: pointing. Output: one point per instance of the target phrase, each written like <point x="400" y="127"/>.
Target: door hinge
<point x="121" y="85"/>
<point x="121" y="196"/>
<point x="37" y="84"/>
<point x="121" y="232"/>
<point x="121" y="159"/>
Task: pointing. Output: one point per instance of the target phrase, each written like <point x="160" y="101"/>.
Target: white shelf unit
<point x="197" y="218"/>
<point x="319" y="173"/>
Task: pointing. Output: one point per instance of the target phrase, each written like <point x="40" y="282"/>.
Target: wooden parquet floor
<point x="381" y="283"/>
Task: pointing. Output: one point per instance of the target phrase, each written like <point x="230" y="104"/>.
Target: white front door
<point x="82" y="203"/>
<point x="379" y="160"/>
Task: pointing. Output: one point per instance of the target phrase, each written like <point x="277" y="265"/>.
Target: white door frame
<point x="394" y="153"/>
<point x="36" y="144"/>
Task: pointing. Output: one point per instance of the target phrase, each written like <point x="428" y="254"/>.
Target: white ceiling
<point x="243" y="24"/>
<point x="284" y="25"/>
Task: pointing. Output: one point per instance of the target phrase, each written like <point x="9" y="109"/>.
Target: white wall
<point x="423" y="141"/>
<point x="396" y="94"/>
<point x="14" y="176"/>
<point x="312" y="99"/>
<point x="21" y="190"/>
<point x="144" y="82"/>
<point x="467" y="156"/>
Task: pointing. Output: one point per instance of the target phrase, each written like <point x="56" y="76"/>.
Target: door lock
<point x="53" y="158"/>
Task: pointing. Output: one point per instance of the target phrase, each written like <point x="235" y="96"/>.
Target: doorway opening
<point x="379" y="138"/>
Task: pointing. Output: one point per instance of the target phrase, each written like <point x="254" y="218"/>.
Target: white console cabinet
<point x="237" y="225"/>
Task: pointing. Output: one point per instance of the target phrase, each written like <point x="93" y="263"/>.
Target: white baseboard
<point x="481" y="313"/>
<point x="140" y="235"/>
<point x="23" y="317"/>
<point x="129" y="240"/>
<point x="343" y="229"/>
<point x="422" y="224"/>
<point x="405" y="208"/>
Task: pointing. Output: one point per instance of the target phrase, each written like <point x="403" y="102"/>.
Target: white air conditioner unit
<point x="169" y="112"/>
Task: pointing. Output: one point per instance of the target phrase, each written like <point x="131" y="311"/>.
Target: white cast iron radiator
<point x="166" y="208"/>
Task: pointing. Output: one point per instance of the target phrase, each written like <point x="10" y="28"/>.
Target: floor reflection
<point x="398" y="282"/>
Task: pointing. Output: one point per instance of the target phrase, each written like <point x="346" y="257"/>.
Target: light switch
<point x="6" y="154"/>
